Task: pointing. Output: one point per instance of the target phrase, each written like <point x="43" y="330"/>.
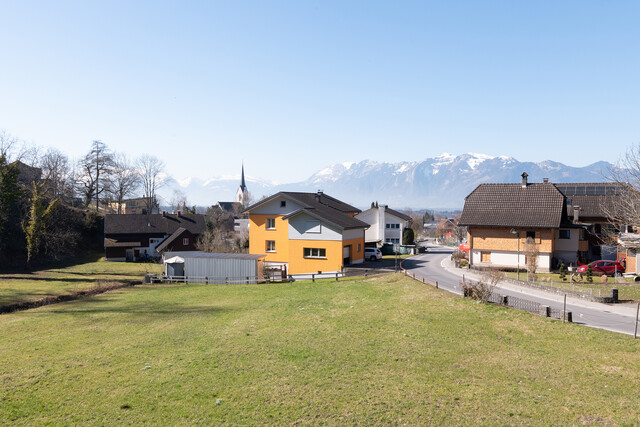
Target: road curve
<point x="435" y="266"/>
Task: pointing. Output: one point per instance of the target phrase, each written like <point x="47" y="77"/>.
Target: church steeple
<point x="242" y="195"/>
<point x="242" y="184"/>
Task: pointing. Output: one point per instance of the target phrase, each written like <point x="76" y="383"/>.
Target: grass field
<point x="29" y="286"/>
<point x="628" y="289"/>
<point x="385" y="350"/>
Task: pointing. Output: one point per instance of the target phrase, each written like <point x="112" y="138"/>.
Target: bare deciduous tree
<point x="151" y="173"/>
<point x="56" y="173"/>
<point x="94" y="169"/>
<point x="8" y="145"/>
<point x="124" y="180"/>
<point x="624" y="210"/>
<point x="178" y="201"/>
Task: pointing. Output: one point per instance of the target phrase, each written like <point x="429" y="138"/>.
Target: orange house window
<point x="271" y="246"/>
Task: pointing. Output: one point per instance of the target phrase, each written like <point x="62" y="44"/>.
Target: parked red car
<point x="604" y="267"/>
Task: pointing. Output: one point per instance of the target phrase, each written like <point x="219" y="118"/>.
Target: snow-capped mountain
<point x="434" y="183"/>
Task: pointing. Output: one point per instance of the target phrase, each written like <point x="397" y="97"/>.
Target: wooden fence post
<point x="635" y="331"/>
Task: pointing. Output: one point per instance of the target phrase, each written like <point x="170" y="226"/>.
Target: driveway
<point x="436" y="265"/>
<point x="372" y="267"/>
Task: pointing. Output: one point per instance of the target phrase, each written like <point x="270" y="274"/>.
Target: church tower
<point x="242" y="195"/>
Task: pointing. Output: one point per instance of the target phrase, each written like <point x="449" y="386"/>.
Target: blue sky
<point x="290" y="87"/>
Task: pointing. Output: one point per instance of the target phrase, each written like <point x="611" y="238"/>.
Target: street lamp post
<point x="517" y="233"/>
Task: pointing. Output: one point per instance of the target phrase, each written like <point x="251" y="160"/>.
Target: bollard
<point x="313" y="277"/>
<point x="436" y="284"/>
<point x="247" y="280"/>
<point x="569" y="317"/>
<point x="336" y="277"/>
<point x="206" y="280"/>
<point x="504" y="299"/>
<point x="545" y="311"/>
<point x="614" y="294"/>
<point x="226" y="280"/>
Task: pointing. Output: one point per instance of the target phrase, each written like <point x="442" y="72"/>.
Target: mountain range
<point x="440" y="182"/>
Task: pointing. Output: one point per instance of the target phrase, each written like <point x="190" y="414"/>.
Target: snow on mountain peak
<point x="477" y="158"/>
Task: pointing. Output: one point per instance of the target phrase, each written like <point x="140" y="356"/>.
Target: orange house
<point x="305" y="233"/>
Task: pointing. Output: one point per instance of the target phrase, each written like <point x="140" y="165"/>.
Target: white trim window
<point x="315" y="253"/>
<point x="270" y="246"/>
<point x="271" y="223"/>
<point x="185" y="241"/>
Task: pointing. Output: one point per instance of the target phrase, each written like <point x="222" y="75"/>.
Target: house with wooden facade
<point x="567" y="222"/>
<point x="138" y="237"/>
<point x="302" y="233"/>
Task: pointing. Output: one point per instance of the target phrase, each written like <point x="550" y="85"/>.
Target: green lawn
<point x="627" y="289"/>
<point x="382" y="350"/>
<point x="29" y="286"/>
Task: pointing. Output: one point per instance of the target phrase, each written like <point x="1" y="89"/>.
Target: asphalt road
<point x="435" y="265"/>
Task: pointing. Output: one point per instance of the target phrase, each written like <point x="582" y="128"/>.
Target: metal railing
<point x="216" y="280"/>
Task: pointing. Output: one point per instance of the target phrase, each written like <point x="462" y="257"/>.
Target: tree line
<point x="50" y="205"/>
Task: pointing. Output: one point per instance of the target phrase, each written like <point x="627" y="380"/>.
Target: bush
<point x="480" y="291"/>
<point x="563" y="272"/>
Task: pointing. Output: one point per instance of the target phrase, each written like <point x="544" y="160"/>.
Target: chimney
<point x="576" y="213"/>
<point x="319" y="195"/>
<point x="524" y="179"/>
<point x="545" y="180"/>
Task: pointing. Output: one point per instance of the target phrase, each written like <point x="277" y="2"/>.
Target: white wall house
<point x="386" y="225"/>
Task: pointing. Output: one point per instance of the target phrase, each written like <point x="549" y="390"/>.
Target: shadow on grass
<point x="65" y="263"/>
<point x="73" y="279"/>
<point x="97" y="306"/>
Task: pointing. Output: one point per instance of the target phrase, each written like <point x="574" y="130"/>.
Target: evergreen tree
<point x="408" y="236"/>
<point x="563" y="272"/>
<point x="9" y="192"/>
<point x="589" y="274"/>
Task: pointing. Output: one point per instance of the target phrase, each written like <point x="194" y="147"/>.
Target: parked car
<point x="604" y="267"/>
<point x="372" y="254"/>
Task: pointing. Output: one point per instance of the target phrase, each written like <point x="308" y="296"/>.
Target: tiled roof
<point x="155" y="223"/>
<point x="166" y="242"/>
<point x="113" y="243"/>
<point x="326" y="208"/>
<point x="331" y="216"/>
<point x="309" y="199"/>
<point x="233" y="207"/>
<point x="398" y="214"/>
<point x="592" y="197"/>
<point x="538" y="205"/>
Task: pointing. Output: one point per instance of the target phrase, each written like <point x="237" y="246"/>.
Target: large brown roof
<point x="538" y="205"/>
<point x="592" y="198"/>
<point x="155" y="223"/>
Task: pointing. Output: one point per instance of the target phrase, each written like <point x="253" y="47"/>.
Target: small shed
<point x="204" y="267"/>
